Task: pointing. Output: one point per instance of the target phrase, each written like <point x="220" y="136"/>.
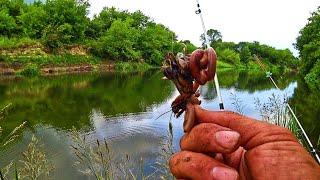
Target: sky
<point x="273" y="22"/>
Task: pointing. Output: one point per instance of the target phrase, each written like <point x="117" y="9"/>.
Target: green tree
<point x="229" y="56"/>
<point x="103" y="21"/>
<point x="245" y="54"/>
<point x="9" y="11"/>
<point x="67" y="16"/>
<point x="33" y="20"/>
<point x="214" y="36"/>
<point x="308" y="42"/>
<point x="155" y="42"/>
<point x="8" y="24"/>
<point x="119" y="42"/>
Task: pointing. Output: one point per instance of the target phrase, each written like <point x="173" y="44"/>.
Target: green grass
<point x="131" y="66"/>
<point x="30" y="70"/>
<point x="6" y="43"/>
<point x="66" y="59"/>
<point x="222" y="64"/>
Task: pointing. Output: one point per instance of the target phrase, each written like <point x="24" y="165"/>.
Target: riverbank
<point x="30" y="58"/>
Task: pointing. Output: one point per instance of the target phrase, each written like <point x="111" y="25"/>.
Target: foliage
<point x="12" y="43"/>
<point x="308" y="43"/>
<point x="30" y="70"/>
<point x="155" y="43"/>
<point x="117" y="35"/>
<point x="242" y="53"/>
<point x="213" y="35"/>
<point x="313" y="77"/>
<point x="33" y="20"/>
<point x="8" y="24"/>
<point x="40" y="61"/>
<point x="131" y="67"/>
<point x="228" y="56"/>
<point x="119" y="41"/>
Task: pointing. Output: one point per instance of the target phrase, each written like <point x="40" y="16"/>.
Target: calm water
<point x="122" y="108"/>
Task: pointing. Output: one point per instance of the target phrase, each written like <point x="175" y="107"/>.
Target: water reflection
<point x="122" y="108"/>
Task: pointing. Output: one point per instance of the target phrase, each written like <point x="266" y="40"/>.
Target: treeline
<point x="242" y="53"/>
<point x="308" y="44"/>
<point x="112" y="34"/>
<point x="117" y="35"/>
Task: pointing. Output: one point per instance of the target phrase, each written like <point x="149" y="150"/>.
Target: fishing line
<point x="269" y="75"/>
<point x="216" y="81"/>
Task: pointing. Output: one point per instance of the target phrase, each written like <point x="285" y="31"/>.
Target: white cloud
<point x="273" y="22"/>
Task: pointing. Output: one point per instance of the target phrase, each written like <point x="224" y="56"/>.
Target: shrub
<point x="313" y="78"/>
<point x="30" y="70"/>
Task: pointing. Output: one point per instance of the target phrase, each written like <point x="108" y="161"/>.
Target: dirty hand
<point x="226" y="145"/>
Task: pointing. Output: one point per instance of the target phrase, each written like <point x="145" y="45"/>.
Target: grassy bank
<point x="132" y="66"/>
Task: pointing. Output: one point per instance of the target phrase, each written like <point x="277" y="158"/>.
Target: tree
<point x="119" y="42"/>
<point x="245" y="54"/>
<point x="102" y="22"/>
<point x="308" y="42"/>
<point x="33" y="20"/>
<point x="68" y="12"/>
<point x="229" y="56"/>
<point x="8" y="24"/>
<point x="9" y="11"/>
<point x="213" y="35"/>
<point x="155" y="43"/>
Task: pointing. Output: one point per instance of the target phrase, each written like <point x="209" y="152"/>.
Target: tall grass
<point x="11" y="43"/>
<point x="273" y="111"/>
<point x="35" y="164"/>
<point x="237" y="103"/>
<point x="13" y="135"/>
<point x="65" y="59"/>
<point x="99" y="161"/>
<point x="167" y="150"/>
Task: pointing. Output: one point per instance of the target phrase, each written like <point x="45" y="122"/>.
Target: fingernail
<point x="224" y="173"/>
<point x="227" y="139"/>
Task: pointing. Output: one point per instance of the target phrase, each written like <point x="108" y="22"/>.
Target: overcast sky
<point x="273" y="22"/>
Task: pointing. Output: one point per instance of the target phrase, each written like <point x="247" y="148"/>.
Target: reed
<point x="35" y="164"/>
<point x="100" y="162"/>
<point x="167" y="150"/>
<point x="237" y="103"/>
<point x="13" y="135"/>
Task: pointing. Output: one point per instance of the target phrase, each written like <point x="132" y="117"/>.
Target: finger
<point x="190" y="165"/>
<point x="233" y="159"/>
<point x="219" y="157"/>
<point x="253" y="133"/>
<point x="209" y="137"/>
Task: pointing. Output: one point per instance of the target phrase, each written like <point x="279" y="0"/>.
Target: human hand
<point x="226" y="145"/>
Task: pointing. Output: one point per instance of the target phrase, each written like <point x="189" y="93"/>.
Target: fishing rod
<point x="269" y="75"/>
<point x="216" y="81"/>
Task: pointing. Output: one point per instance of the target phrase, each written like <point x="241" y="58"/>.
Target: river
<point x="123" y="109"/>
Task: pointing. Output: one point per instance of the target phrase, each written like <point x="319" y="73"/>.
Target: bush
<point x="313" y="78"/>
<point x="30" y="70"/>
<point x="131" y="67"/>
<point x="228" y="56"/>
